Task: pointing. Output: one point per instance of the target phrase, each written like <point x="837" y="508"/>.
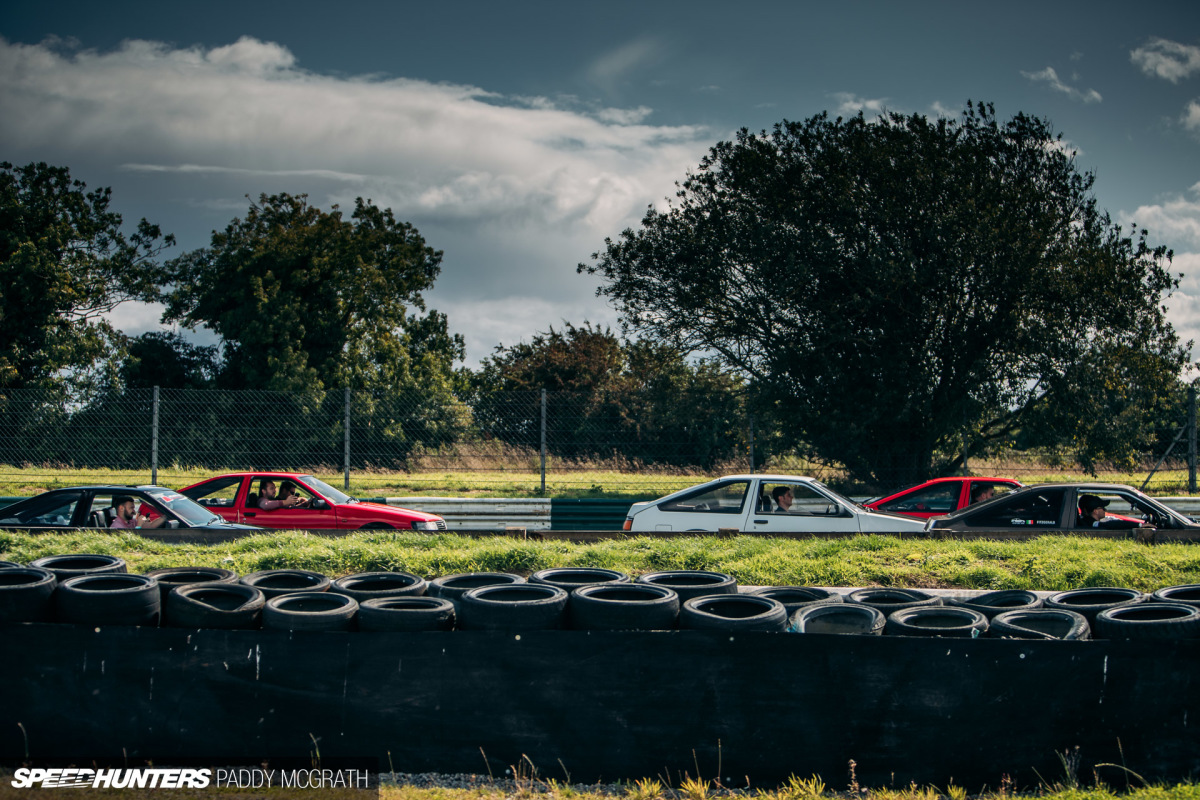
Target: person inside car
<point x="981" y="492"/>
<point x="268" y="502"/>
<point x="1093" y="515"/>
<point x="287" y="490"/>
<point x="125" y="515"/>
<point x="783" y="498"/>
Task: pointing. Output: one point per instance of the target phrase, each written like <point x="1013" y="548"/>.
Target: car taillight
<point x="628" y="526"/>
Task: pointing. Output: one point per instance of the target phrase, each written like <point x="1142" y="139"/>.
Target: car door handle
<point x="250" y="514"/>
<point x="760" y="522"/>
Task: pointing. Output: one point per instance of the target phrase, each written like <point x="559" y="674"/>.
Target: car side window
<point x="1031" y="509"/>
<point x="940" y="498"/>
<point x="219" y="493"/>
<point x="798" y="498"/>
<point x="727" y="498"/>
<point x="48" y="511"/>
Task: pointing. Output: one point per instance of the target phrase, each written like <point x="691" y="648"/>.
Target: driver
<point x="1094" y="515"/>
<point x="125" y="515"/>
<point x="783" y="498"/>
<point x="268" y="501"/>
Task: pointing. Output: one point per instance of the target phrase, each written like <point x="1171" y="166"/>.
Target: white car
<point x="763" y="504"/>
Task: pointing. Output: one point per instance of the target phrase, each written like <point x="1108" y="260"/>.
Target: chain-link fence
<point x="496" y="439"/>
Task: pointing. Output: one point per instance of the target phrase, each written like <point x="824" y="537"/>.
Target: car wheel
<point x="406" y="614"/>
<point x="733" y="612"/>
<point x="221" y="606"/>
<point x="310" y="611"/>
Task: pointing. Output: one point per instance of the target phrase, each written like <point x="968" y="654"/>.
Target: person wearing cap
<point x="1094" y="516"/>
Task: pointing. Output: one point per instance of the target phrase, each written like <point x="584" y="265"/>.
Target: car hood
<point x="384" y="510"/>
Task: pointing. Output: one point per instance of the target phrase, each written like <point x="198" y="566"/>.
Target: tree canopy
<point x="305" y="300"/>
<point x="902" y="291"/>
<point x="64" y="263"/>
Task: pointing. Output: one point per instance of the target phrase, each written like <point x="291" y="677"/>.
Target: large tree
<point x="901" y="290"/>
<point x="64" y="263"/>
<point x="306" y="300"/>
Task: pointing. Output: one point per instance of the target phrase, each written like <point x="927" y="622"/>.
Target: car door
<point x="1046" y="507"/>
<point x="928" y="501"/>
<point x="809" y="510"/>
<point x="49" y="510"/>
<point x="287" y="518"/>
<point x="222" y="496"/>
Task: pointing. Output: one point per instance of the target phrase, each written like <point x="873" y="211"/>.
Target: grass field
<point x="1047" y="563"/>
<point x="578" y="481"/>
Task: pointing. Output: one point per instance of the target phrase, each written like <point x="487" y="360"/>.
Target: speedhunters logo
<point x="148" y="778"/>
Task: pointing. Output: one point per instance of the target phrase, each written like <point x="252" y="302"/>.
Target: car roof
<point x="765" y="476"/>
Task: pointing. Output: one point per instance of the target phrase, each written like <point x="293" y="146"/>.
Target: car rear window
<point x="726" y="498"/>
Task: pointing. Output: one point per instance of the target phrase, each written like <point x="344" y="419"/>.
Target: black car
<point x="92" y="507"/>
<point x="1056" y="506"/>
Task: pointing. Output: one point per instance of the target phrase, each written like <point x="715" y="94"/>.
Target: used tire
<point x="1040" y="623"/>
<point x="570" y="578"/>
<point x="795" y="598"/>
<point x="310" y="611"/>
<point x="623" y="607"/>
<point x="9" y="564"/>
<point x="1149" y="621"/>
<point x="453" y="587"/>
<point x="370" y="585"/>
<point x="109" y="599"/>
<point x="522" y="607"/>
<point x="887" y="600"/>
<point x="1188" y="593"/>
<point x="940" y="621"/>
<point x="69" y="566"/>
<point x="173" y="577"/>
<point x="26" y="594"/>
<point x="689" y="583"/>
<point x="406" y="613"/>
<point x="221" y="606"/>
<point x="1092" y="601"/>
<point x="278" y="582"/>
<point x="733" y="612"/>
<point x="838" y="618"/>
<point x="994" y="603"/>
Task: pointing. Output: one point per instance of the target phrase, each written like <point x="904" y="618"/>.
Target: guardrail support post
<point x="751" y="417"/>
<point x="154" y="441"/>
<point x="1191" y="400"/>
<point x="543" y="442"/>
<point x="346" y="457"/>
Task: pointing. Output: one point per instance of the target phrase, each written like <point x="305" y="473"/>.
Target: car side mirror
<point x="173" y="524"/>
<point x="318" y="503"/>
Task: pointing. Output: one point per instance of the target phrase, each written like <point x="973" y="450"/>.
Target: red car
<point x="236" y="497"/>
<point x="940" y="496"/>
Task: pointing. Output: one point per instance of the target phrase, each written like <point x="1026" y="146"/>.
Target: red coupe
<point x="941" y="496"/>
<point x="241" y="497"/>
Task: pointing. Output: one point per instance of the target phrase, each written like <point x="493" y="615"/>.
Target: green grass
<point x="1047" y="563"/>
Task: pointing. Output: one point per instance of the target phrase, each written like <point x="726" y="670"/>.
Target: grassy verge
<point x="1048" y="563"/>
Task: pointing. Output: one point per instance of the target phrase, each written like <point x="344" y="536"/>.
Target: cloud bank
<point x="1049" y="77"/>
<point x="1162" y="58"/>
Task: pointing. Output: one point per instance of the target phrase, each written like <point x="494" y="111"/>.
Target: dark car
<point x="92" y="507"/>
<point x="1056" y="506"/>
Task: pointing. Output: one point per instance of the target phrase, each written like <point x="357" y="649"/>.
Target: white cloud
<point x="940" y="110"/>
<point x="624" y="116"/>
<point x="1165" y="59"/>
<point x="615" y="66"/>
<point x="1175" y="221"/>
<point x="1191" y="116"/>
<point x="850" y="104"/>
<point x="1051" y="79"/>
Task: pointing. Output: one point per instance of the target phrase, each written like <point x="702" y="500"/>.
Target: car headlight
<point x="426" y="525"/>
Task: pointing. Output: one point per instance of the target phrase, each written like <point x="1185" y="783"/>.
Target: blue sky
<point x="516" y="136"/>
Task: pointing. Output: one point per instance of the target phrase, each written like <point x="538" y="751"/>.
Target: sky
<point x="516" y="136"/>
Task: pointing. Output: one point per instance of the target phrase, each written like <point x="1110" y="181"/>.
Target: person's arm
<point x="269" y="505"/>
<point x="146" y="522"/>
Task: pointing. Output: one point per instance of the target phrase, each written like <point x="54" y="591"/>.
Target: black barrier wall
<point x="607" y="705"/>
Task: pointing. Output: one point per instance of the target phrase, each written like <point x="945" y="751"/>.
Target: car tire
<point x="733" y="612"/>
<point x="1040" y="623"/>
<point x="623" y="607"/>
<point x="571" y="578"/>
<point x="370" y="585"/>
<point x="277" y="582"/>
<point x="1149" y="621"/>
<point x="938" y="621"/>
<point x="889" y="600"/>
<point x="70" y="566"/>
<point x="406" y="613"/>
<point x="994" y="603"/>
<point x="217" y="606"/>
<point x="109" y="599"/>
<point x="26" y="594"/>
<point x="1188" y="593"/>
<point x="453" y="587"/>
<point x="1092" y="601"/>
<point x="689" y="583"/>
<point x="838" y="618"/>
<point x="310" y="611"/>
<point x="173" y="577"/>
<point x="9" y="564"/>
<point x="795" y="598"/>
<point x="521" y="607"/>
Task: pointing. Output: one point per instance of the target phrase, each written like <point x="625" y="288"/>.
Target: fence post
<point x="1191" y="400"/>
<point x="154" y="441"/>
<point x="346" y="458"/>
<point x="751" y="416"/>
<point x="543" y="442"/>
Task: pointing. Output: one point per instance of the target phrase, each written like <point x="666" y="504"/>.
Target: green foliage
<point x="901" y="291"/>
<point x="64" y="263"/>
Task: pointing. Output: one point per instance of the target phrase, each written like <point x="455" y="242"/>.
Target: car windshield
<point x="186" y="509"/>
<point x="322" y="488"/>
<point x="841" y="498"/>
